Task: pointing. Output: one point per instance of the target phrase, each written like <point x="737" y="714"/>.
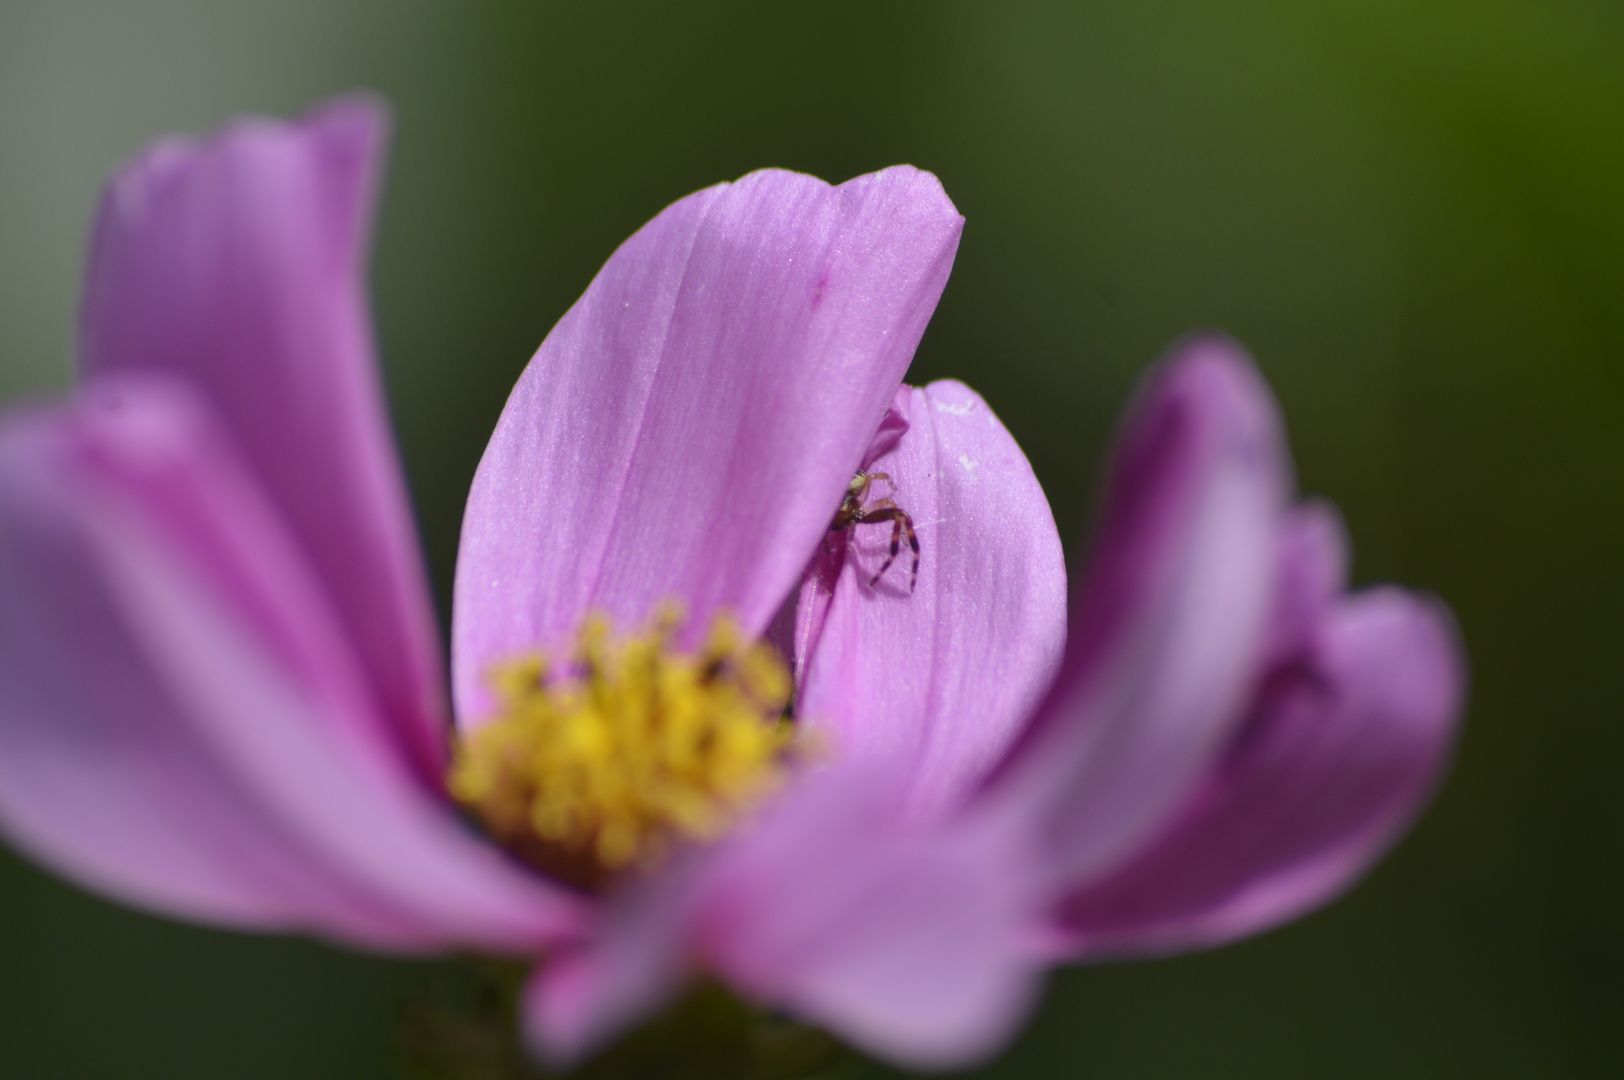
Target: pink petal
<point x="182" y="724"/>
<point x="939" y="680"/>
<point x="909" y="943"/>
<point x="1169" y="623"/>
<point x="580" y="997"/>
<point x="1312" y="574"/>
<point x="1339" y="756"/>
<point x="687" y="429"/>
<point x="237" y="263"/>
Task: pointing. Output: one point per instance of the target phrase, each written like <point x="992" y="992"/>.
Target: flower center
<point x="602" y="763"/>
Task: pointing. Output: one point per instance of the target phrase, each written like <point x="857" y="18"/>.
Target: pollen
<point x="601" y="763"/>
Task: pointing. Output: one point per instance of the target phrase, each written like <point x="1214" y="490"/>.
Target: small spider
<point x="852" y="512"/>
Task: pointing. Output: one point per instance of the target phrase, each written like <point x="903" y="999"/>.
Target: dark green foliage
<point x="1411" y="210"/>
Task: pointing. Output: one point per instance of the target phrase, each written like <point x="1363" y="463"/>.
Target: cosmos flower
<point x="1229" y="741"/>
<point x="220" y="694"/>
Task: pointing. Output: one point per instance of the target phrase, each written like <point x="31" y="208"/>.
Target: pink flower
<point x="1229" y="741"/>
<point x="220" y="695"/>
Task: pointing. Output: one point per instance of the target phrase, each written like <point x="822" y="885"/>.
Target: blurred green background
<point x="1412" y="211"/>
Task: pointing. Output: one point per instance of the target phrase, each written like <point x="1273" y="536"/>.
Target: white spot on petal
<point x="969" y="466"/>
<point x="956" y="410"/>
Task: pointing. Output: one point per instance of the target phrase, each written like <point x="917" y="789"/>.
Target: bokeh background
<point x="1412" y="211"/>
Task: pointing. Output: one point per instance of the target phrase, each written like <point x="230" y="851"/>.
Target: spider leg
<point x="873" y="476"/>
<point x="901" y="523"/>
<point x="906" y="524"/>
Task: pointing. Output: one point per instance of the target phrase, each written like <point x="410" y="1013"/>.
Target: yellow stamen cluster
<point x="601" y="764"/>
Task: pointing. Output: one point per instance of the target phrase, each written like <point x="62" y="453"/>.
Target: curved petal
<point x="908" y="942"/>
<point x="182" y="724"/>
<point x="687" y="429"/>
<point x="1340" y="754"/>
<point x="237" y="263"/>
<point x="580" y="997"/>
<point x="1169" y="624"/>
<point x="1312" y="574"/>
<point x="941" y="679"/>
